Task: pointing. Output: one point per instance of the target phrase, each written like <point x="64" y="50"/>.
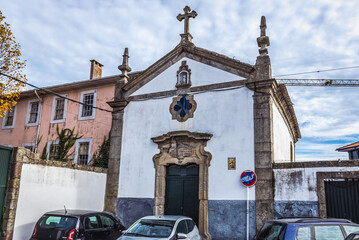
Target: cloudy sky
<point x="59" y="37"/>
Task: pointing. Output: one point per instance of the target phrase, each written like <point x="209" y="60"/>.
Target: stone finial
<point x="263" y="40"/>
<point x="124" y="67"/>
<point x="186" y="36"/>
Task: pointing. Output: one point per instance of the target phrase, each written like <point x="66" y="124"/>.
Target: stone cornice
<point x="118" y="105"/>
<point x="99" y="82"/>
<point x="282" y="100"/>
<point x="316" y="164"/>
<point x="193" y="135"/>
<point x="195" y="53"/>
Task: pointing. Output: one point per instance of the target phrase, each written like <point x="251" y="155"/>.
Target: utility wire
<point x="53" y="93"/>
<point x="318" y="71"/>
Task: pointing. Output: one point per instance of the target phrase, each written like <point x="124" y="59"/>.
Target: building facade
<point x="185" y="129"/>
<point x="33" y="122"/>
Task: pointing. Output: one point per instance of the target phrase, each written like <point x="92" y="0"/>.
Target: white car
<point x="162" y="228"/>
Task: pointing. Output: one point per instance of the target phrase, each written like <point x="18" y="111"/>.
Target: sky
<point x="59" y="37"/>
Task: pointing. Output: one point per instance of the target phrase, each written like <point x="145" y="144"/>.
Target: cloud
<point x="58" y="39"/>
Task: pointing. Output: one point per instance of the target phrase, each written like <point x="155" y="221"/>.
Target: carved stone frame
<point x="182" y="148"/>
<point x="321" y="176"/>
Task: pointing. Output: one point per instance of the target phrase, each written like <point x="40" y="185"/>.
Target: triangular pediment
<point x="210" y="64"/>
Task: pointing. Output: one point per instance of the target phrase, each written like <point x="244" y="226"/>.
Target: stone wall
<point x="26" y="188"/>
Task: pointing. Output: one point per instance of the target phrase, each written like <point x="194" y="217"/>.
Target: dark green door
<point x="182" y="191"/>
<point x="5" y="158"/>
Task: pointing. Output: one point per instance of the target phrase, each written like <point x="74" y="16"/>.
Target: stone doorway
<point x="183" y="148"/>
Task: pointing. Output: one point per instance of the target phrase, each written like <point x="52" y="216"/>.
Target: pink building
<point x="38" y="113"/>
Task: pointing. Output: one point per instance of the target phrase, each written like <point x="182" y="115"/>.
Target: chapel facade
<point x="184" y="130"/>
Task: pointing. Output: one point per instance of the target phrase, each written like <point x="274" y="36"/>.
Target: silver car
<point x="162" y="228"/>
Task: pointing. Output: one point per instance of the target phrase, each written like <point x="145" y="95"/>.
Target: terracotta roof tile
<point x="347" y="147"/>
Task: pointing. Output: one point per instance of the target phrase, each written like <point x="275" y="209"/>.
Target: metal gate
<point x="5" y="159"/>
<point x="342" y="198"/>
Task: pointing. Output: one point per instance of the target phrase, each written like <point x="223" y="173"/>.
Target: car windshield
<point x="151" y="228"/>
<point x="270" y="231"/>
<point x="54" y="227"/>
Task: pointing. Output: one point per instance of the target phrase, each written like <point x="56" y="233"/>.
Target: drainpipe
<point x="38" y="125"/>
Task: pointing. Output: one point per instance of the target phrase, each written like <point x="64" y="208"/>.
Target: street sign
<point x="248" y="178"/>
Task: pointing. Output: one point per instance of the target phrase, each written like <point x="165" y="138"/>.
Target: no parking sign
<point x="248" y="178"/>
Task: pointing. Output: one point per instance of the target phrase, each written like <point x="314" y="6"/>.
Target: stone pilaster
<point x="113" y="172"/>
<point x="264" y="87"/>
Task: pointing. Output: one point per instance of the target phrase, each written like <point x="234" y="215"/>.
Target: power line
<point x="317" y="71"/>
<point x="319" y="82"/>
<point x="53" y="93"/>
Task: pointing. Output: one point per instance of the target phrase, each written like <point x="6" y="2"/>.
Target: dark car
<point x="77" y="224"/>
<point x="306" y="229"/>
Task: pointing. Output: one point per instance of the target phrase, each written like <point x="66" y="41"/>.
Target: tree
<point x="101" y="156"/>
<point x="10" y="64"/>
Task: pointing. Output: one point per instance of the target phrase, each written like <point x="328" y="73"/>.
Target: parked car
<point x="306" y="229"/>
<point x="162" y="227"/>
<point x="77" y="225"/>
<point x="353" y="236"/>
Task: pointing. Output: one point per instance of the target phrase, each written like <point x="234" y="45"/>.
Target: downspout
<point x="38" y="125"/>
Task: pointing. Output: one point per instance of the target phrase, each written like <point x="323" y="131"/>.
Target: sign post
<point x="248" y="179"/>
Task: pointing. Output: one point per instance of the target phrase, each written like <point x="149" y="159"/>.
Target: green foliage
<point x="11" y="65"/>
<point x="67" y="139"/>
<point x="44" y="152"/>
<point x="102" y="154"/>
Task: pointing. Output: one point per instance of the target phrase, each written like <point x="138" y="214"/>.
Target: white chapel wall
<point x="201" y="74"/>
<point x="228" y="115"/>
<point x="281" y="137"/>
<point x="46" y="188"/>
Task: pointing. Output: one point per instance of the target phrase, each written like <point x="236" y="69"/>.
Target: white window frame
<point x="78" y="141"/>
<point x="94" y="105"/>
<point x="13" y="122"/>
<point x="53" y="110"/>
<point x="28" y="113"/>
<point x="28" y="145"/>
<point x="48" y="148"/>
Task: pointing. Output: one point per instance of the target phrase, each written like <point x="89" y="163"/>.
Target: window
<point x="107" y="222"/>
<point x="83" y="151"/>
<point x="304" y="233"/>
<point x="328" y="232"/>
<point x="52" y="148"/>
<point x="30" y="146"/>
<point x="190" y="225"/>
<point x="91" y="222"/>
<point x="87" y="111"/>
<point x="33" y="113"/>
<point x="182" y="227"/>
<point x="350" y="229"/>
<point x="58" y="113"/>
<point x="9" y="119"/>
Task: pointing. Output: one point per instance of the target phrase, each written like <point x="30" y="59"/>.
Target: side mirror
<point x="181" y="236"/>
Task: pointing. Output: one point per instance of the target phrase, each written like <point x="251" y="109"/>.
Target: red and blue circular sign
<point x="248" y="178"/>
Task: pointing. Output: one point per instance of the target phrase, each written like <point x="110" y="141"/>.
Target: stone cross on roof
<point x="187" y="14"/>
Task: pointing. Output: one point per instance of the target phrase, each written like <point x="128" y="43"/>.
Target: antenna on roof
<point x="65" y="209"/>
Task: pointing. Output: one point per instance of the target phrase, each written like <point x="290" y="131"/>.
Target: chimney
<point x="96" y="69"/>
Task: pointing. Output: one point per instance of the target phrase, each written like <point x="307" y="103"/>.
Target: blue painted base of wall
<point x="227" y="219"/>
<point x="296" y="209"/>
<point x="129" y="210"/>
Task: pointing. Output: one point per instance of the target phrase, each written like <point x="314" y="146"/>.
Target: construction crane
<point x="319" y="82"/>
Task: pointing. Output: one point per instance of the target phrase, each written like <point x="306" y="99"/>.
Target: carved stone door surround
<point x="181" y="148"/>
